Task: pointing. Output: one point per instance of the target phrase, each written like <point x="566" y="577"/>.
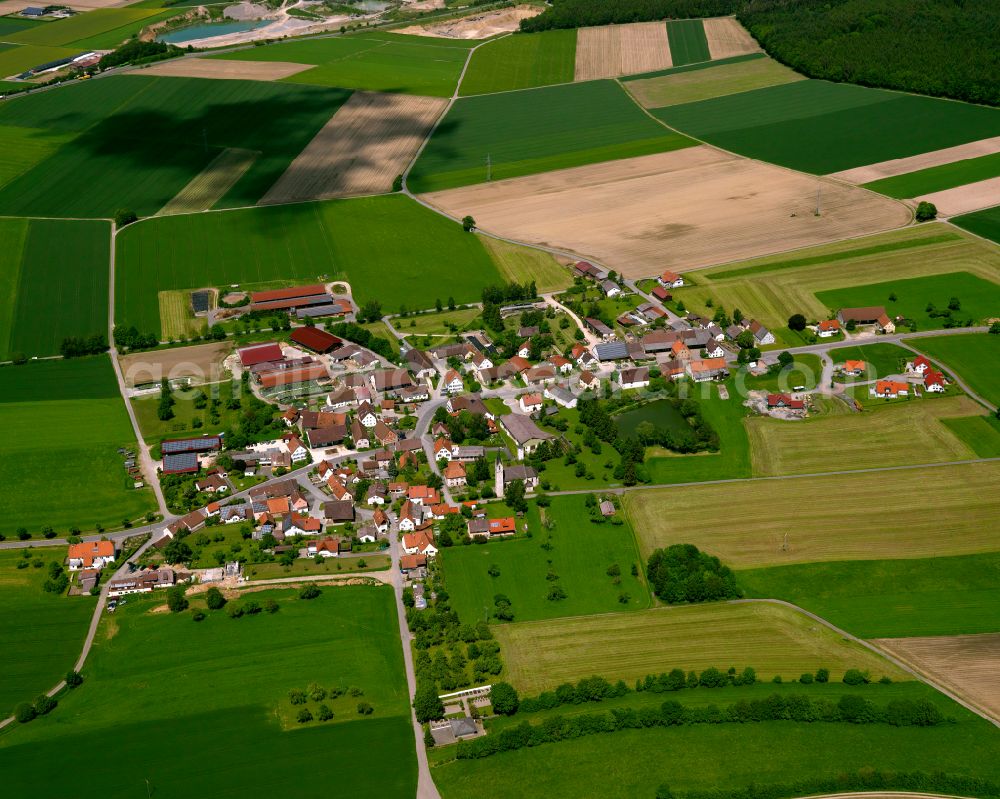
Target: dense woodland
<point x="945" y="48"/>
<point x="940" y="47"/>
<point x="583" y="13"/>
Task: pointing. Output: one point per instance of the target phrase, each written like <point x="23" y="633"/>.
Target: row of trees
<point x="77" y="346"/>
<point x="849" y="709"/>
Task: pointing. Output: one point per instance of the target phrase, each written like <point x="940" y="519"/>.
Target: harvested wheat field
<point x="614" y="50"/>
<point x="727" y="38"/>
<point x="683" y="210"/>
<point x="365" y="145"/>
<point x="211" y="185"/>
<point x="968" y="665"/>
<point x="903" y="166"/>
<point x="226" y="70"/>
<point x="963" y="199"/>
<point x="202" y="363"/>
<point x="479" y="26"/>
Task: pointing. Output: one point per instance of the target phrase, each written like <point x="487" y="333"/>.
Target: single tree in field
<point x="214" y="599"/>
<point x="468" y="224"/>
<point x="125" y="216"/>
<point x="797" y="322"/>
<point x="176" y="600"/>
<point x="926" y="211"/>
<point x="504" y="699"/>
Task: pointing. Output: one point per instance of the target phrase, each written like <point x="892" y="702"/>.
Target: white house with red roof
<point x="420" y="543"/>
<point x="670" y="280"/>
<point x="91" y="555"/>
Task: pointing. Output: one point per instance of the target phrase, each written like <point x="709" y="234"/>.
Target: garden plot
<point x="727" y="38"/>
<point x="965" y="664"/>
<point x="361" y="150"/>
<point x="614" y="50"/>
<point x="226" y="70"/>
<point x="683" y="210"/>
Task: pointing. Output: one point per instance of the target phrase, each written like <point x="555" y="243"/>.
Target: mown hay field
<point x="891" y="598"/>
<point x="821" y="127"/>
<point x="521" y="62"/>
<point x="692" y="207"/>
<point x="68" y="32"/>
<point x="64" y="422"/>
<point x="613" y="50"/>
<point x="143" y="139"/>
<point x="835" y="517"/>
<point x="142" y="698"/>
<point x="773" y="288"/>
<point x="727" y="38"/>
<point x="42" y="640"/>
<point x="537" y="130"/>
<point x="523" y="265"/>
<point x="414" y="248"/>
<point x="177" y="318"/>
<point x="966" y="664"/>
<point x="362" y="149"/>
<point x="895" y="435"/>
<point x="381" y="62"/>
<point x="54" y="276"/>
<point x="900" y="167"/>
<point x="973" y="356"/>
<point x="688" y="44"/>
<point x="215" y="180"/>
<point x="540" y="655"/>
<point x="716" y="81"/>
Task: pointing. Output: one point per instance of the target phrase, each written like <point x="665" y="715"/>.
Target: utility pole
<point x="489" y="167"/>
<point x="784" y="543"/>
<point x="819" y="194"/>
<point x="148" y="792"/>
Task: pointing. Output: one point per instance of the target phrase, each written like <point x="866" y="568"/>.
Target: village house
<point x="828" y="328"/>
<point x="385" y="435"/>
<point x="366" y="414"/>
<point x="376" y="494"/>
<point x="670" y="280"/>
<point x="442" y="449"/>
<point x="526" y="434"/>
<point x="853" y="368"/>
<point x="934" y="381"/>
<point x="543" y="374"/>
<point x="890" y="389"/>
<point x="91" y="555"/>
<point x="634" y="378"/>
<point x="505" y="474"/>
<point x="563" y="365"/>
<point x="761" y="334"/>
<point x="584" y="357"/>
<point x="419" y="543"/>
<point x="328" y="547"/>
<point x="661" y="293"/>
<point x="589" y="381"/>
<point x="599" y="328"/>
<point x="213" y="484"/>
<point x="454" y="475"/>
<point x="561" y="396"/>
<point x="530" y="403"/>
<point x="452" y="382"/>
<point x="298" y="524"/>
<point x="413" y="565"/>
<point x="423" y="495"/>
<point x="390" y="380"/>
<point x="338" y="512"/>
<point x="381" y="520"/>
<point x="873" y="315"/>
<point x="420" y="364"/>
<point x="785" y="401"/>
<point x="492" y="528"/>
<point x="611" y="289"/>
<point x="709" y="369"/>
<point x="144" y="581"/>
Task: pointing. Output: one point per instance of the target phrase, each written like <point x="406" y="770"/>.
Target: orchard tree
<point x="504" y="699"/>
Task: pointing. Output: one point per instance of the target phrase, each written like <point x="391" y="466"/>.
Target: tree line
<point x="585" y="13"/>
<point x="938" y="47"/>
<point x="849" y="709"/>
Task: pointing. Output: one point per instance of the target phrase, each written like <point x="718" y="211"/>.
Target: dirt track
<point x="226" y="70"/>
<point x="902" y="166"/>
<point x="678" y="210"/>
<point x="361" y="150"/>
<point x="727" y="38"/>
<point x="614" y="50"/>
<point x="969" y="665"/>
<point x="963" y="199"/>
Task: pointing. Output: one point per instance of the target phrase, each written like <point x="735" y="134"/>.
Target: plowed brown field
<point x="226" y="70"/>
<point x="614" y="50"/>
<point x="968" y="665"/>
<point x="727" y="38"/>
<point x="361" y="150"/>
<point x="680" y="210"/>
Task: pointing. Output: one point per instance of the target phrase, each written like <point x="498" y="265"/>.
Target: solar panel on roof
<point x="180" y="462"/>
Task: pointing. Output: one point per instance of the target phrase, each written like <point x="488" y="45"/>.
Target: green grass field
<point x="982" y="223"/>
<point x="806" y="370"/>
<point x="938" y="178"/>
<point x="981" y="434"/>
<point x="20" y="58"/>
<point x="521" y="62"/>
<point x="221" y="686"/>
<point x="979" y="298"/>
<point x="298" y="243"/>
<point x="773" y="639"/>
<point x="882" y="359"/>
<point x="25" y="147"/>
<point x="821" y="127"/>
<point x="76" y="30"/>
<point x="523" y="264"/>
<point x="688" y="44"/>
<point x="728" y="77"/>
<point x="55" y="274"/>
<point x="829" y="518"/>
<point x="973" y="356"/>
<point x="144" y="138"/>
<point x="155" y="430"/>
<point x="110" y="39"/>
<point x="536" y="131"/>
<point x="64" y="423"/>
<point x="635" y="763"/>
<point x="891" y="598"/>
<point x="772" y="289"/>
<point x="380" y="61"/>
<point x="42" y="639"/>
<point x="581" y="553"/>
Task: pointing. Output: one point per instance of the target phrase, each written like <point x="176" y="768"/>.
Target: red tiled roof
<point x="260" y="353"/>
<point x="314" y="339"/>
<point x="287" y="294"/>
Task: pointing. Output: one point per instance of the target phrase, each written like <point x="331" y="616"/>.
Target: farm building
<point x="290" y="299"/>
<point x="314" y="339"/>
<point x="287" y="377"/>
<point x="872" y="315"/>
<point x="181" y="455"/>
<point x="260" y="353"/>
<point x="526" y="434"/>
